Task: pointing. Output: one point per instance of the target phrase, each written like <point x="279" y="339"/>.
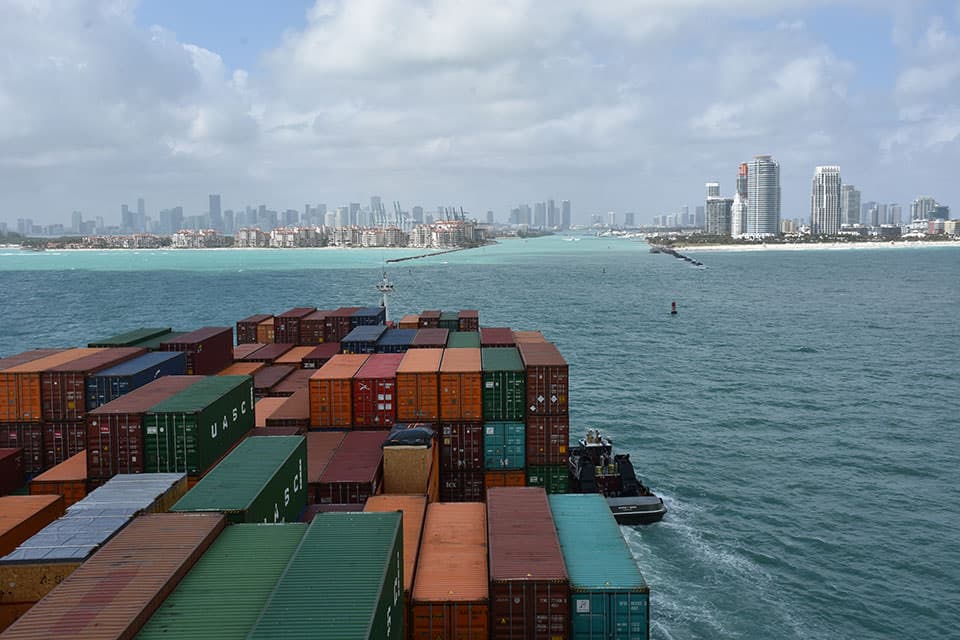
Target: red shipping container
<point x="313" y="328"/>
<point x="497" y="337"/>
<point x="319" y="356"/>
<point x="62" y="440"/>
<point x="208" y="350"/>
<point x="461" y="486"/>
<point x="299" y="379"/>
<point x="294" y="412"/>
<point x="375" y="391"/>
<point x="63" y="388"/>
<point x="264" y="379"/>
<point x="430" y="339"/>
<point x="11" y="470"/>
<point x="241" y="351"/>
<point x="247" y="328"/>
<point x="468" y="320"/>
<point x="27" y="356"/>
<point x="27" y="436"/>
<point x="548" y="384"/>
<point x="286" y="328"/>
<point x="337" y="324"/>
<point x="268" y="353"/>
<point x="115" y="430"/>
<point x="355" y="471"/>
<point x="548" y="440"/>
<point x="529" y="588"/>
<point x="430" y="319"/>
<point x="461" y="446"/>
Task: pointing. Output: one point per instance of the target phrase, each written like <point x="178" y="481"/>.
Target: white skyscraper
<point x="738" y="210"/>
<point x="713" y="189"/>
<point x="849" y="205"/>
<point x="825" y="201"/>
<point x="763" y="203"/>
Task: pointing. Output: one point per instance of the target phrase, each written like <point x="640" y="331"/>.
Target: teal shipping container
<point x="554" y="478"/>
<point x="504" y="384"/>
<point x="131" y="338"/>
<point x="191" y="430"/>
<point x="504" y="444"/>
<point x="262" y="480"/>
<point x="226" y="590"/>
<point x="609" y="597"/>
<point x="450" y="320"/>
<point x="345" y="582"/>
<point x="463" y="339"/>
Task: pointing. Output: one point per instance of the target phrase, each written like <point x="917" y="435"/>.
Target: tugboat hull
<point x="637" y="509"/>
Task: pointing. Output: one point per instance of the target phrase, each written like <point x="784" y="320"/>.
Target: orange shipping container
<point x="409" y="322"/>
<point x="294" y="356"/>
<point x="265" y="332"/>
<point x="418" y="386"/>
<point x="331" y="398"/>
<point x="505" y="479"/>
<point x="265" y="408"/>
<point x="528" y="336"/>
<point x="450" y="589"/>
<point x="461" y="385"/>
<point x="23" y="516"/>
<point x="67" y="479"/>
<point x="242" y="369"/>
<point x="20" y="399"/>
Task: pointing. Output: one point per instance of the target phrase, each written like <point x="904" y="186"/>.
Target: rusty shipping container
<point x="461" y="446"/>
<point x="247" y="328"/>
<point x="430" y="319"/>
<point x="313" y="328"/>
<point x="548" y="440"/>
<point x="113" y="594"/>
<point x="331" y="392"/>
<point x="459" y="485"/>
<point x="67" y="479"/>
<point x="62" y="440"/>
<point x="320" y="355"/>
<point x="461" y="385"/>
<point x="23" y="516"/>
<point x="28" y="437"/>
<point x="114" y="432"/>
<point x="432" y="338"/>
<point x="11" y="470"/>
<point x="548" y="384"/>
<point x="265" y="333"/>
<point x="529" y="588"/>
<point x="293" y="412"/>
<point x="450" y="590"/>
<point x="528" y="336"/>
<point x="468" y="320"/>
<point x="298" y="380"/>
<point x="27" y="356"/>
<point x="516" y="478"/>
<point x="286" y="328"/>
<point x="321" y="445"/>
<point x="338" y="324"/>
<point x="294" y="356"/>
<point x="268" y="353"/>
<point x="375" y="391"/>
<point x="355" y="472"/>
<point x="241" y="351"/>
<point x="418" y="386"/>
<point x="414" y="509"/>
<point x="208" y="350"/>
<point x="497" y="337"/>
<point x="20" y="387"/>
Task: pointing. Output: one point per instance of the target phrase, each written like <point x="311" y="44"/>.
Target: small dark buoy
<point x="673" y="308"/>
<point x="604" y="269"/>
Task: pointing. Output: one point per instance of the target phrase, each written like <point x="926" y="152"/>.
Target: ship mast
<point x="384" y="287"/>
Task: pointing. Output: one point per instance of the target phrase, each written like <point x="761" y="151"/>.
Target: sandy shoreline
<point x="822" y="246"/>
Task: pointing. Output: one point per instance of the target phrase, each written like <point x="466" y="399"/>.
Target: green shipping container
<point x="504" y="384"/>
<point x="189" y="432"/>
<point x="450" y="320"/>
<point x="609" y="597"/>
<point x="462" y="339"/>
<point x="131" y="338"/>
<point x="504" y="444"/>
<point x="262" y="480"/>
<point x="345" y="582"/>
<point x="153" y="344"/>
<point x="553" y="478"/>
<point x="224" y="593"/>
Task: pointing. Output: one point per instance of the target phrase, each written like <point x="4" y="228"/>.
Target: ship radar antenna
<point x="385" y="287"/>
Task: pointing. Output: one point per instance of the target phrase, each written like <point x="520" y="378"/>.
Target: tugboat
<point x="594" y="469"/>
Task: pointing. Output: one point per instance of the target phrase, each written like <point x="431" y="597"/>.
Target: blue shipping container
<point x="504" y="445"/>
<point x="368" y="316"/>
<point x="363" y="339"/>
<point x="609" y="597"/>
<point x="114" y="382"/>
<point x="396" y="340"/>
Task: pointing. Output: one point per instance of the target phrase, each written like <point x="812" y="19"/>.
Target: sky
<point x="614" y="105"/>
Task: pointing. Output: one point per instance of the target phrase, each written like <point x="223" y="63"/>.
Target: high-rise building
<point x="76" y="222"/>
<point x="849" y="204"/>
<point x="375" y="204"/>
<point x="140" y="222"/>
<point x="525" y="214"/>
<point x="895" y="214"/>
<point x="700" y="217"/>
<point x="417" y="214"/>
<point x="763" y="197"/>
<point x="216" y="216"/>
<point x="738" y="210"/>
<point x="612" y="218"/>
<point x="718" y="215"/>
<point x="553" y="216"/>
<point x="489" y="217"/>
<point x="566" y="213"/>
<point x="825" y="201"/>
<point x="344" y="216"/>
<point x="228" y="222"/>
<point x="713" y="189"/>
<point x="628" y="219"/>
<point x="352" y="214"/>
<point x="540" y="214"/>
<point x="922" y="208"/>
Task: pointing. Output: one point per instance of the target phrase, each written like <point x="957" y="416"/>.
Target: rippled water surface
<point x="800" y="414"/>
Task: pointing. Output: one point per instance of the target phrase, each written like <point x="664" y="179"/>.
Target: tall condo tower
<point x="713" y="189"/>
<point x="738" y="210"/>
<point x="825" y="201"/>
<point x="849" y="204"/>
<point x="763" y="204"/>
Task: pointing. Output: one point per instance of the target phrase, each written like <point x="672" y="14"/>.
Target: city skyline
<point x="472" y="104"/>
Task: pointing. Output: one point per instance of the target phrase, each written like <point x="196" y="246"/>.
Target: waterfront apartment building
<point x="923" y="208"/>
<point x="763" y="202"/>
<point x="825" y="201"/>
<point x="718" y="216"/>
<point x="713" y="189"/>
<point x="849" y="204"/>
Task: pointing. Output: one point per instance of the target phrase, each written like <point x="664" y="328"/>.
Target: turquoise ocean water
<point x="800" y="415"/>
